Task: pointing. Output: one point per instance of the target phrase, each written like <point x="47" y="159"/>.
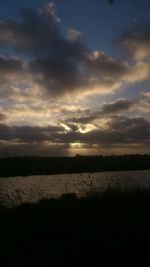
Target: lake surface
<point x="17" y="190"/>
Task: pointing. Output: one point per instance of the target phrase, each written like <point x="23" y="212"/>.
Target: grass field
<point x="109" y="229"/>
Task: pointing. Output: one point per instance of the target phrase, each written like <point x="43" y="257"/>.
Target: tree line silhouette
<point x="15" y="166"/>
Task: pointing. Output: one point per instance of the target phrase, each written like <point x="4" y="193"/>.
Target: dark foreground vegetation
<point x="14" y="166"/>
<point x="112" y="229"/>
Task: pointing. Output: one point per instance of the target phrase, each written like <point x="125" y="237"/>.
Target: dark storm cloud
<point x="137" y="42"/>
<point x="11" y="72"/>
<point x="10" y="65"/>
<point x="58" y="75"/>
<point x="33" y="33"/>
<point x="28" y="133"/>
<point x="56" y="58"/>
<point x="59" y="63"/>
<point x="117" y="106"/>
<point x="136" y="126"/>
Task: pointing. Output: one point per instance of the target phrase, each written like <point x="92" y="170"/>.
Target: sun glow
<point x="66" y="127"/>
<point x="76" y="148"/>
<point x="87" y="128"/>
<point x="76" y="145"/>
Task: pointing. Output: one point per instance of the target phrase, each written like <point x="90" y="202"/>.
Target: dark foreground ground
<point x="112" y="229"/>
<point x="23" y="166"/>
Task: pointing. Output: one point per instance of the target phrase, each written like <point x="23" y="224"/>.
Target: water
<point x="17" y="190"/>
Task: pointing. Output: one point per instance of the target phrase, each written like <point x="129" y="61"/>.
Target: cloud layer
<point x="63" y="64"/>
<point x="119" y="132"/>
<point x="47" y="79"/>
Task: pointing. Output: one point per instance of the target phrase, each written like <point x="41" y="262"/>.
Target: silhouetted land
<point x="13" y="166"/>
<point x="112" y="229"/>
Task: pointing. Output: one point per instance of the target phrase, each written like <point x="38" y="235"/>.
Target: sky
<point x="74" y="77"/>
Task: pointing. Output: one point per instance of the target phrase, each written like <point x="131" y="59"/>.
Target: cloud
<point x="108" y="109"/>
<point x="56" y="58"/>
<point x="47" y="79"/>
<point x="117" y="106"/>
<point x="64" y="64"/>
<point x="119" y="130"/>
<point x="27" y="134"/>
<point x="74" y="35"/>
<point x="11" y="72"/>
<point x="106" y="66"/>
<point x="100" y="117"/>
<point x="137" y="43"/>
<point x="10" y="65"/>
<point x="33" y="33"/>
<point x="3" y="117"/>
<point x="49" y="9"/>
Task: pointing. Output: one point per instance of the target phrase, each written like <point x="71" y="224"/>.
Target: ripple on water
<point x="17" y="190"/>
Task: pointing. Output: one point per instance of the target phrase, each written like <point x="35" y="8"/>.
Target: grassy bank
<point x="112" y="229"/>
<point x="23" y="166"/>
